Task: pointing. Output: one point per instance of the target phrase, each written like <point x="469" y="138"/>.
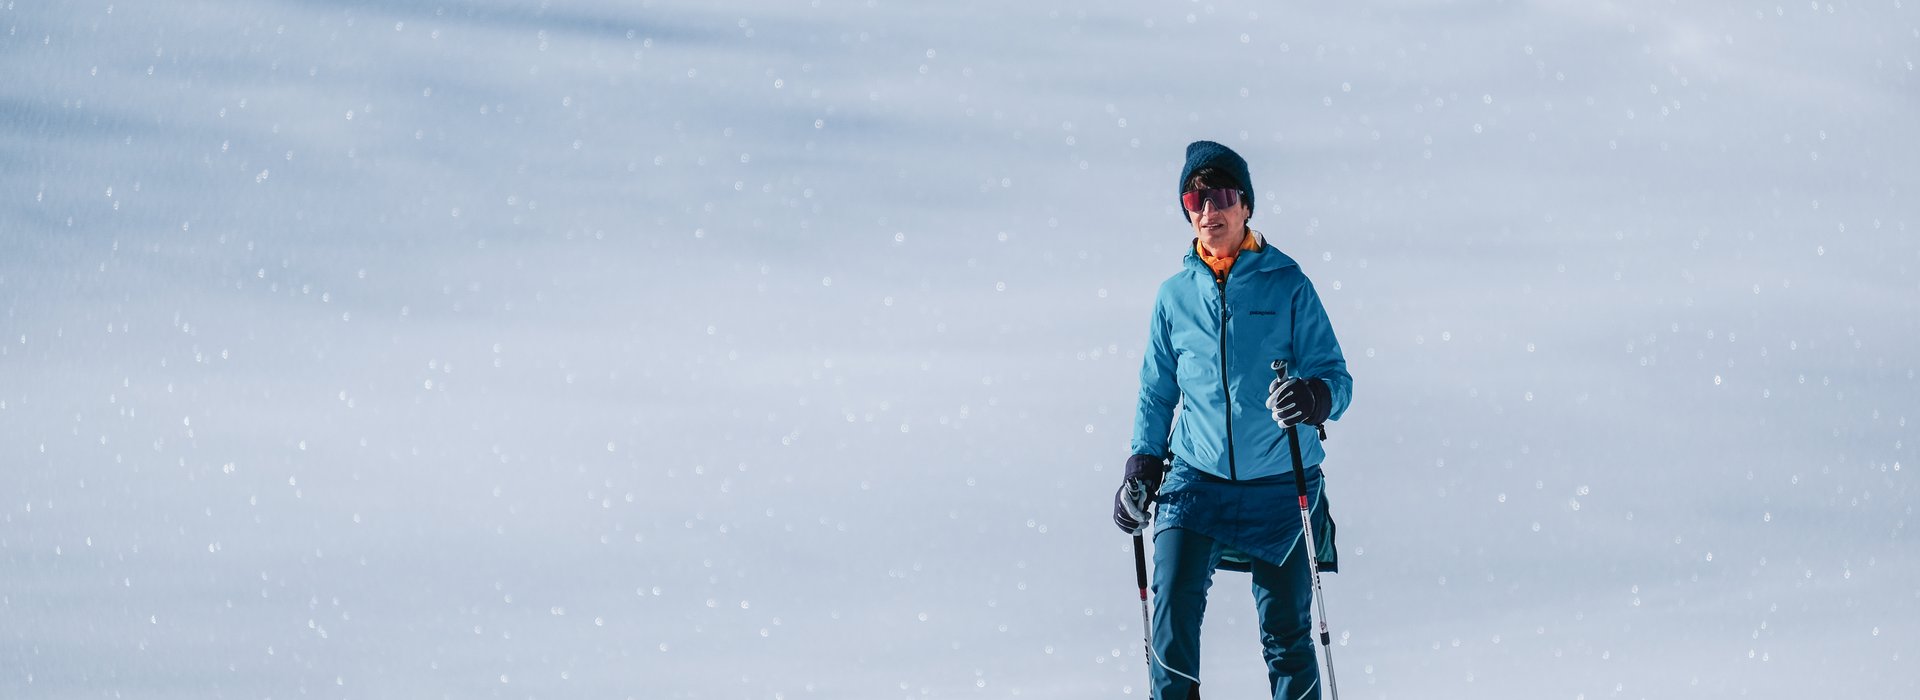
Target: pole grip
<point x="1293" y="442"/>
<point x="1140" y="564"/>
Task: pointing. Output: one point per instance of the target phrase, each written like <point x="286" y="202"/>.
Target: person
<point x="1216" y="484"/>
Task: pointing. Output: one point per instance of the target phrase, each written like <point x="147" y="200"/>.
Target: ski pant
<point x="1183" y="564"/>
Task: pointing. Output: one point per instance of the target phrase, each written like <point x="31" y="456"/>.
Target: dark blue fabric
<point x="1183" y="564"/>
<point x="1253" y="519"/>
<point x="1282" y="595"/>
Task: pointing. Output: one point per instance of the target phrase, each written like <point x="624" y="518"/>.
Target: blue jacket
<point x="1210" y="349"/>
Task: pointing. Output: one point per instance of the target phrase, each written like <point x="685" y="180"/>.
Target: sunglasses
<point x="1221" y="198"/>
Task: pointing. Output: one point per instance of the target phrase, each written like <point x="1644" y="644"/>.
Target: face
<point x="1220" y="229"/>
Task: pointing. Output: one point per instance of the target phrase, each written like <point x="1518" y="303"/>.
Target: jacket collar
<point x="1264" y="258"/>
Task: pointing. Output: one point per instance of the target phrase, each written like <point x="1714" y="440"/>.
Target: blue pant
<point x="1183" y="564"/>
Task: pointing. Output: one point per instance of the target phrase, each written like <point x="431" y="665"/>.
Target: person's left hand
<point x="1296" y="400"/>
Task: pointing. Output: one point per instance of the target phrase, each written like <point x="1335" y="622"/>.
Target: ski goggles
<point x="1221" y="198"/>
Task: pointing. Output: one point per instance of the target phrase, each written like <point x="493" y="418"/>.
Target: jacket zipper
<point x="1233" y="471"/>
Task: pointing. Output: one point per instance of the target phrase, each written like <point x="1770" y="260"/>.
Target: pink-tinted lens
<point x="1221" y="198"/>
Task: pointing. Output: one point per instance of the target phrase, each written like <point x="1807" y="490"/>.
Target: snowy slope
<point x="788" y="350"/>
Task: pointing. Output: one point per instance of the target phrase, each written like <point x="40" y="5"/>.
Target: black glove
<point x="1133" y="503"/>
<point x="1296" y="400"/>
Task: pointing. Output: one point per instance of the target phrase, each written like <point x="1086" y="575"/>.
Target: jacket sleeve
<point x="1159" y="389"/>
<point x="1318" y="350"/>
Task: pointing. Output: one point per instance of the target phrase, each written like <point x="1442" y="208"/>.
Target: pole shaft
<point x="1146" y="618"/>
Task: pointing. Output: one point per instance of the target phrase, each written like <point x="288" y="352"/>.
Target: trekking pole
<point x="1146" y="618"/>
<point x="1306" y="531"/>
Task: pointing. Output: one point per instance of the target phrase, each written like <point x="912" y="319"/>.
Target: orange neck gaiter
<point x="1220" y="266"/>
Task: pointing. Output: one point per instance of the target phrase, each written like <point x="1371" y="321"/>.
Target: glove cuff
<point x="1322" y="402"/>
<point x="1148" y="468"/>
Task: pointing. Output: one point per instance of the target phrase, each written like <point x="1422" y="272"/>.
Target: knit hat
<point x="1207" y="154"/>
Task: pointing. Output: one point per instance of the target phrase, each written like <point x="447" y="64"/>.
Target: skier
<point x="1221" y="474"/>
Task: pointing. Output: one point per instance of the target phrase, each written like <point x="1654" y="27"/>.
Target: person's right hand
<point x="1133" y="502"/>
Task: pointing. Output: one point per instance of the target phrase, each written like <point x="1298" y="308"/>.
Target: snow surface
<point x="788" y="350"/>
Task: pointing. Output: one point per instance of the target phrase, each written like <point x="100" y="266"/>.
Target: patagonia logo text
<point x="1261" y="313"/>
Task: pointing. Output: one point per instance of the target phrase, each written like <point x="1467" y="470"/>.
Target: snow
<point x="788" y="350"/>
